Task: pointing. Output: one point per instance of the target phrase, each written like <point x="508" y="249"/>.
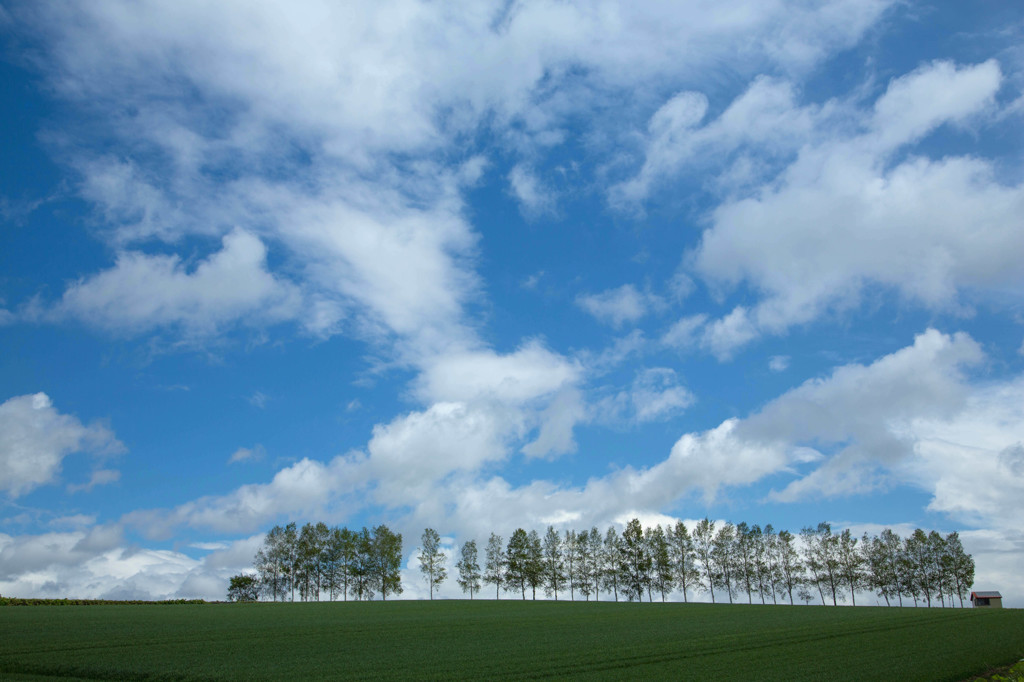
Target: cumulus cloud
<point x="765" y="117"/>
<point x="655" y="395"/>
<point x="864" y="213"/>
<point x="35" y="438"/>
<point x="96" y="563"/>
<point x="142" y="293"/>
<point x="534" y="198"/>
<point x="530" y="372"/>
<point x="619" y="306"/>
<point x="232" y="131"/>
<point x="410" y="454"/>
<point x="306" y="488"/>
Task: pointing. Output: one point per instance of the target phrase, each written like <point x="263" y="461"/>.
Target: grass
<point x="503" y="640"/>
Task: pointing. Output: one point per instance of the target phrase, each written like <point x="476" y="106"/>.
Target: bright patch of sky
<point x="483" y="265"/>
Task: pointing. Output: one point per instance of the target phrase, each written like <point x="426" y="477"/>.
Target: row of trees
<point x="721" y="560"/>
<point x="316" y="560"/>
<point x="733" y="559"/>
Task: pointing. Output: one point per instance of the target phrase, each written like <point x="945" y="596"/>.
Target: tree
<point x="534" y="562"/>
<point x="469" y="569"/>
<point x="553" y="563"/>
<point x="272" y="564"/>
<point x="686" y="573"/>
<point x="289" y="545"/>
<point x="662" y="576"/>
<point x="703" y="541"/>
<point x="571" y="554"/>
<point x="386" y="561"/>
<point x="517" y="557"/>
<point x="823" y="559"/>
<point x="851" y="563"/>
<point x="960" y="565"/>
<point x="311" y="559"/>
<point x="723" y="555"/>
<point x="332" y="579"/>
<point x="610" y="560"/>
<point x="244" y="587"/>
<point x="635" y="561"/>
<point x="918" y="560"/>
<point x="362" y="570"/>
<point x="882" y="566"/>
<point x="342" y="551"/>
<point x="937" y="565"/>
<point x="432" y="559"/>
<point x="583" y="569"/>
<point x="787" y="558"/>
<point x="495" y="563"/>
<point x="595" y="550"/>
<point x="764" y="561"/>
<point x="746" y="572"/>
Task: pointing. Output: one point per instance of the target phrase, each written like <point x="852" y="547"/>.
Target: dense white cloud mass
<point x="97" y="564"/>
<point x="35" y="438"/>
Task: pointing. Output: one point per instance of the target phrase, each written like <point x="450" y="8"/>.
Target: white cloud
<point x="409" y="455"/>
<point x="555" y="436"/>
<point x="529" y="373"/>
<point x="97" y="564"/>
<point x="307" y="488"/>
<point x="534" y="198"/>
<point x="141" y="292"/>
<point x="848" y="213"/>
<point x="655" y="395"/>
<point x="530" y="282"/>
<point x="35" y="438"/>
<point x="765" y="117"/>
<point x="98" y="477"/>
<point x="935" y="94"/>
<point x="683" y="334"/>
<point x="327" y="156"/>
<point x="863" y="413"/>
<point x="722" y="336"/>
<point x="618" y="306"/>
<point x="254" y="453"/>
<point x="73" y="521"/>
<point x="778" y="363"/>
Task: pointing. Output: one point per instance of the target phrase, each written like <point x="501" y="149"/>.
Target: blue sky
<point x="477" y="266"/>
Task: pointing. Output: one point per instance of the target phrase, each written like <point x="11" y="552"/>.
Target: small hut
<point x="987" y="600"/>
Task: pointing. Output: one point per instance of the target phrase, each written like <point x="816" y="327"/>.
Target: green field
<point x="503" y="640"/>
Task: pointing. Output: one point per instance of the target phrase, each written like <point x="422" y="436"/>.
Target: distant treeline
<point x="316" y="559"/>
<point x="723" y="560"/>
<point x="16" y="601"/>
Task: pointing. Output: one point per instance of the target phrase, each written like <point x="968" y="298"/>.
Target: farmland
<point x="503" y="640"/>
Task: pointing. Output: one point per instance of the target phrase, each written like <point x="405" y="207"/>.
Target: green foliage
<point x="432" y="559"/>
<point x="17" y="601"/>
<point x="469" y="568"/>
<point x="509" y="639"/>
<point x="243" y="587"/>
